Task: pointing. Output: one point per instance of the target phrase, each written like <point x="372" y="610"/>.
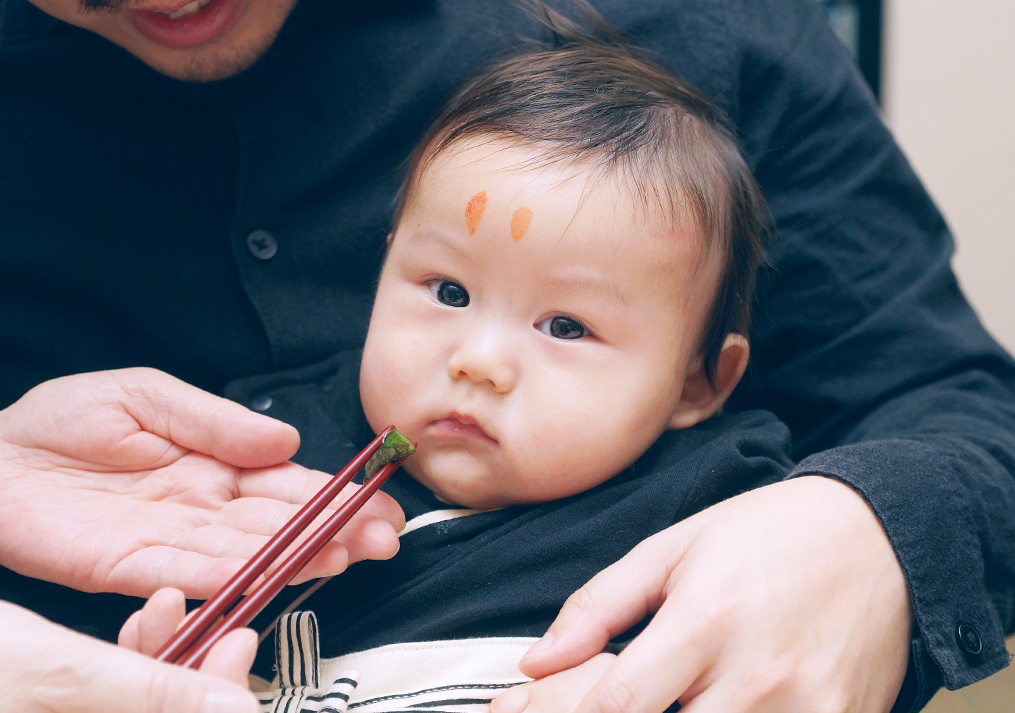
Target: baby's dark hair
<point x="588" y="97"/>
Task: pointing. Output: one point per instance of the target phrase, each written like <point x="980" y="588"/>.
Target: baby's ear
<point x="700" y="399"/>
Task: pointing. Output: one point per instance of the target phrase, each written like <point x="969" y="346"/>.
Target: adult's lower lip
<point x="191" y="29"/>
<point x="451" y="427"/>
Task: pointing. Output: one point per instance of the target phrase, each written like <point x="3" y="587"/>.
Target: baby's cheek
<point x="378" y="383"/>
<point x="559" y="462"/>
<point x="602" y="447"/>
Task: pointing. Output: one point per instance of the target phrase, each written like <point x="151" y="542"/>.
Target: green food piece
<point x="395" y="446"/>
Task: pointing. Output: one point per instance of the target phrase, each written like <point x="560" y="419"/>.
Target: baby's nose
<point x="485" y="359"/>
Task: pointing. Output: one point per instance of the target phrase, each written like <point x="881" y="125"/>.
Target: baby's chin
<point x="458" y="479"/>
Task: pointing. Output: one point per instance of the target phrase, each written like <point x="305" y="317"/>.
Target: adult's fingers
<point x="48" y="668"/>
<point x="262" y="514"/>
<point x="129" y="636"/>
<point x="217" y="543"/>
<point x="294" y="484"/>
<point x="118" y="681"/>
<point x="149" y="628"/>
<point x="214" y="554"/>
<point x="657" y="667"/>
<point x="610" y="603"/>
<point x="203" y="422"/>
<point x="559" y="693"/>
<point x="201" y="560"/>
<point x="127" y="417"/>
<point x="787" y="596"/>
<point x="287" y="483"/>
<point x="247" y="524"/>
<point x="232" y="656"/>
<point x="159" y="618"/>
<point x="143" y="572"/>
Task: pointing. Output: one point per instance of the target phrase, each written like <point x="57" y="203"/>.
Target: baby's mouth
<point x="458" y="426"/>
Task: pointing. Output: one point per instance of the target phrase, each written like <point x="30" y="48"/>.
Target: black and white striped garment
<point x="434" y="677"/>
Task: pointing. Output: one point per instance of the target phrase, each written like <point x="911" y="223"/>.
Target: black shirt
<point x="128" y="201"/>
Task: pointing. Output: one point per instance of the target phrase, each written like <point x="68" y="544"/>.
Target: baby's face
<point x="533" y="340"/>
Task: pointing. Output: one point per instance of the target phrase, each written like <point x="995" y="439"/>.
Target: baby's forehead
<point x="483" y="155"/>
<point x="498" y="201"/>
<point x="639" y="188"/>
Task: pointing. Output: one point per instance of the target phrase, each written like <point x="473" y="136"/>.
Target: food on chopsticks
<point x="395" y="446"/>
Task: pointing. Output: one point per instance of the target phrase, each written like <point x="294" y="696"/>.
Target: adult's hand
<point x="149" y="628"/>
<point x="557" y="693"/>
<point x="46" y="668"/>
<point x="127" y="481"/>
<point x="785" y="598"/>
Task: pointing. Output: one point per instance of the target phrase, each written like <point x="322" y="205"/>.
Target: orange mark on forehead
<point x="520" y="223"/>
<point x="474" y="211"/>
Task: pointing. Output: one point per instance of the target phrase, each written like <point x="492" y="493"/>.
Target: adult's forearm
<point x="866" y="348"/>
<point x="935" y="466"/>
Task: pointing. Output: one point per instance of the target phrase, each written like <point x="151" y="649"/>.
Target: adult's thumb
<point x="142" y="685"/>
<point x="46" y="668"/>
<point x="609" y="604"/>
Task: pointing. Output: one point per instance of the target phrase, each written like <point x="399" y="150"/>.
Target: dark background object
<point x="858" y="24"/>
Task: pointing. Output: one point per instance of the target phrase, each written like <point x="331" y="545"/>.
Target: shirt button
<point x="260" y="403"/>
<point x="969" y="639"/>
<point x="262" y="245"/>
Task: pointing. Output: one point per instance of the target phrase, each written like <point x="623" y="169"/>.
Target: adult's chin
<point x="216" y="40"/>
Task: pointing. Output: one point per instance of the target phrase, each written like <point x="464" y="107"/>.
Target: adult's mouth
<point x="184" y="24"/>
<point x="459" y="426"/>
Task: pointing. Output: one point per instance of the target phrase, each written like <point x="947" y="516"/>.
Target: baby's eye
<point x="562" y="328"/>
<point x="449" y="293"/>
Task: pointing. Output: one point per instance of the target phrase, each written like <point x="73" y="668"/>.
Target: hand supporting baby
<point x="784" y="598"/>
<point x="560" y="692"/>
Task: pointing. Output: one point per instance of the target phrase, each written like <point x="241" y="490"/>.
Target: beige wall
<point x="949" y="96"/>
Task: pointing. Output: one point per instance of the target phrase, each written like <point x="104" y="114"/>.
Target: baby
<point x="566" y="293"/>
<point x="570" y="275"/>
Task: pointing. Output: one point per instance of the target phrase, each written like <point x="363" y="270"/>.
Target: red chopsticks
<point x="195" y="638"/>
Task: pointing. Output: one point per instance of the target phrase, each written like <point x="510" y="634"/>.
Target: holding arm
<point x="869" y="352"/>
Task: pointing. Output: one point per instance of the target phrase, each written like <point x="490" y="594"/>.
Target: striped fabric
<point x="297" y="688"/>
<point x="459" y="676"/>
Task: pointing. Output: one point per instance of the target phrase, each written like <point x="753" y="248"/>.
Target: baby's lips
<point x="458" y="426"/>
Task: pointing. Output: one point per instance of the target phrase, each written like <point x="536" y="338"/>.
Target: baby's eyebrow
<point x="596" y="286"/>
<point x="427" y="237"/>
